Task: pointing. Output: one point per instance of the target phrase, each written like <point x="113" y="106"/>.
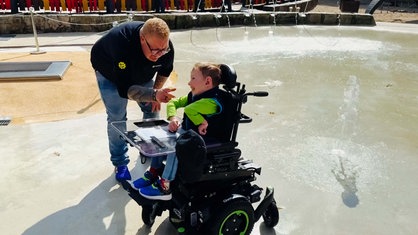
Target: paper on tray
<point x="157" y="131"/>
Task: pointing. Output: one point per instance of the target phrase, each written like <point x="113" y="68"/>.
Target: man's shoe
<point x="155" y="192"/>
<point x="144" y="181"/>
<point x="122" y="173"/>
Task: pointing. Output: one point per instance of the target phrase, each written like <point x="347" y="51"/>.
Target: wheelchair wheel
<point x="148" y="217"/>
<point x="271" y="215"/>
<point x="236" y="217"/>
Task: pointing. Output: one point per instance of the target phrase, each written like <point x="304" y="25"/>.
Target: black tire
<point x="148" y="216"/>
<point x="271" y="215"/>
<point x="236" y="217"/>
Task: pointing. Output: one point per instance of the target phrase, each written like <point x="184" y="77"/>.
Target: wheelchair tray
<point x="150" y="136"/>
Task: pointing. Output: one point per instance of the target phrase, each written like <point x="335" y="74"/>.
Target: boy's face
<point x="198" y="84"/>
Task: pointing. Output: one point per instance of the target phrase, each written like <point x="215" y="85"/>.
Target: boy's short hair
<point x="156" y="27"/>
<point x="210" y="69"/>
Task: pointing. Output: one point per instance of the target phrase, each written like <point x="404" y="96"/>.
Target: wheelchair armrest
<point x="245" y="119"/>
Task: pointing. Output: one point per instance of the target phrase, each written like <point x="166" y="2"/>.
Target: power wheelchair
<point x="213" y="191"/>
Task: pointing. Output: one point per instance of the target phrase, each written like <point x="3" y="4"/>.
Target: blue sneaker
<point x="144" y="181"/>
<point x="122" y="173"/>
<point x="155" y="192"/>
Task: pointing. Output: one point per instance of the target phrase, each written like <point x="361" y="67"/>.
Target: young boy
<point x="200" y="103"/>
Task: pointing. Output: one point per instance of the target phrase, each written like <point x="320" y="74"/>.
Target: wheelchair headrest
<point x="229" y="76"/>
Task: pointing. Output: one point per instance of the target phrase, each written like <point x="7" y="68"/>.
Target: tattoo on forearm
<point x="159" y="82"/>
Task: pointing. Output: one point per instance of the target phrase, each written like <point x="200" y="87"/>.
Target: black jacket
<point x="220" y="123"/>
<point x="118" y="57"/>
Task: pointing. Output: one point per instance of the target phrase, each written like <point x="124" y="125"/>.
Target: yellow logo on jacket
<point x="122" y="65"/>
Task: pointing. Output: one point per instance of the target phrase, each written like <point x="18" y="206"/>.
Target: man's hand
<point x="156" y="107"/>
<point x="164" y="95"/>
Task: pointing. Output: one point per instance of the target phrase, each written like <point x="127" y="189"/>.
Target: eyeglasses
<point x="157" y="51"/>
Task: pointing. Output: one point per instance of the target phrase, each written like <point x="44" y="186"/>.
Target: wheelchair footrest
<point x="134" y="194"/>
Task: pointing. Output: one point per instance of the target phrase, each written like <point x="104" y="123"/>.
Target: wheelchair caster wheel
<point x="271" y="215"/>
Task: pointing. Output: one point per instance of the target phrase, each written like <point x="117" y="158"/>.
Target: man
<point x="126" y="60"/>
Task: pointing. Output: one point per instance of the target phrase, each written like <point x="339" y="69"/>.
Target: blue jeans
<point x="171" y="163"/>
<point x="116" y="111"/>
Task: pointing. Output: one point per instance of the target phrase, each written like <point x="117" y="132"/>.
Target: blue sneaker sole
<point x="132" y="184"/>
<point x="166" y="197"/>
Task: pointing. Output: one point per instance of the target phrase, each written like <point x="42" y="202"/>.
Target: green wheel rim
<point x="238" y="213"/>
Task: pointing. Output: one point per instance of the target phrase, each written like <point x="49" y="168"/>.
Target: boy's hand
<point x="174" y="124"/>
<point x="203" y="127"/>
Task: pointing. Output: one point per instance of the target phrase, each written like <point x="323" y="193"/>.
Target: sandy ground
<point x="34" y="101"/>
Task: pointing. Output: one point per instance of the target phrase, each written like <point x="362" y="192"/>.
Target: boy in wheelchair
<point x="200" y="106"/>
<point x="212" y="192"/>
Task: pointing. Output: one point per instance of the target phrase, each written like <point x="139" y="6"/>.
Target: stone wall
<point x="46" y="23"/>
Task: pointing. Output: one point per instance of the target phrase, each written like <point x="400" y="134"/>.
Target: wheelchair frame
<point x="220" y="201"/>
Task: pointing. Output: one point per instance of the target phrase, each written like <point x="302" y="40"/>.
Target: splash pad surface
<point x="336" y="137"/>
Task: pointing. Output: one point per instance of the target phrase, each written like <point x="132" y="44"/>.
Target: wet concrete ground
<point x="336" y="142"/>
